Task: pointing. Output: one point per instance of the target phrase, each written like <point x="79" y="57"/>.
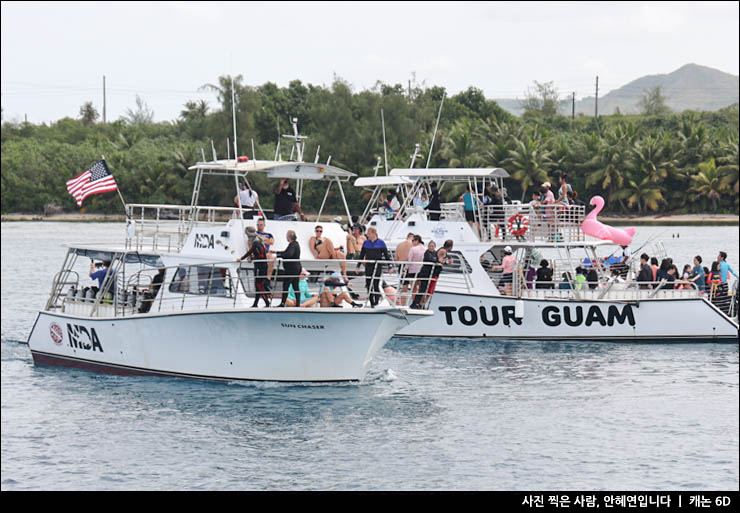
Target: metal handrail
<point x="212" y="288"/>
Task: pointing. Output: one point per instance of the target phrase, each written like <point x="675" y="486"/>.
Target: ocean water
<point x="432" y="414"/>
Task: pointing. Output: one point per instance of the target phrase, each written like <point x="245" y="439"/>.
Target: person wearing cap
<point x="307" y="298"/>
<point x="507" y="267"/>
<point x="334" y="295"/>
<point x="101" y="275"/>
<point x="322" y="248"/>
<point x="549" y="198"/>
<point x="256" y="252"/>
<point x="547" y="203"/>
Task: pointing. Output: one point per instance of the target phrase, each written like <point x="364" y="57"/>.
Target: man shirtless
<point x="402" y="255"/>
<point x="355" y="240"/>
<point x="323" y="248"/>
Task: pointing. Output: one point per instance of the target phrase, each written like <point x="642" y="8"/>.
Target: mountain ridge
<point x="690" y="87"/>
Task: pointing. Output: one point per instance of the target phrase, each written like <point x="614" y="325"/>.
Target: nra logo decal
<point x="81" y="337"/>
<point x="57" y="335"/>
<point x="203" y="241"/>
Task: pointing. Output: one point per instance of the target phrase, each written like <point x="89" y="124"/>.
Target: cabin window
<point x="202" y="280"/>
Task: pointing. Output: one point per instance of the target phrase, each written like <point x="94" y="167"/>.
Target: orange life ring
<point x="518" y="225"/>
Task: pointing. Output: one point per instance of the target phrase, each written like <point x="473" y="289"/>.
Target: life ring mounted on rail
<point x="518" y="225"/>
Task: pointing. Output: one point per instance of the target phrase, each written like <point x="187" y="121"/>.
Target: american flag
<point x="93" y="181"/>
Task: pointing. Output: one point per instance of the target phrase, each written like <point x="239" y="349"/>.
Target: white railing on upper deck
<point x="166" y="227"/>
<point x="512" y="222"/>
<point x="527" y="223"/>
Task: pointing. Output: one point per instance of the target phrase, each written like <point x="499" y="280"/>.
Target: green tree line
<point x="665" y="162"/>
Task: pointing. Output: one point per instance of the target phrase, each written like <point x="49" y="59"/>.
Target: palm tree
<point x="708" y="183"/>
<point x="729" y="165"/>
<point x="462" y="144"/>
<point x="530" y="162"/>
<point x="194" y="111"/>
<point x="651" y="158"/>
<point x="644" y="193"/>
<point x="223" y="91"/>
<point x="693" y="140"/>
<point x="608" y="168"/>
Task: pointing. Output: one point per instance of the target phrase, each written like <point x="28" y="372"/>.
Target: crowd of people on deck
<point x="419" y="279"/>
<point x="420" y="267"/>
<point x="711" y="282"/>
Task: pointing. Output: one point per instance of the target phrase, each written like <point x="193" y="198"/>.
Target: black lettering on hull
<point x="82" y="338"/>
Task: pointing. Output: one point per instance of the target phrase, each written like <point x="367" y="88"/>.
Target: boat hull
<point x="500" y="317"/>
<point x="285" y="344"/>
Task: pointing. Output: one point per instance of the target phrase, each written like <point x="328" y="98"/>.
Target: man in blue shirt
<point x="268" y="240"/>
<point x="724" y="267"/>
<point x="697" y="274"/>
<point x="100" y="275"/>
<point x="470" y="203"/>
<point x="722" y="288"/>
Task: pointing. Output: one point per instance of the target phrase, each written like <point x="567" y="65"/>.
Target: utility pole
<point x="596" y="112"/>
<point x="573" y="116"/>
<point x="103" y="99"/>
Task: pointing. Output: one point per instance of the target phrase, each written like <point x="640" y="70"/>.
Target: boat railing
<point x="528" y="223"/>
<point x="160" y="227"/>
<point x="512" y="222"/>
<point x="230" y="285"/>
<point x="608" y="291"/>
<point x="724" y="296"/>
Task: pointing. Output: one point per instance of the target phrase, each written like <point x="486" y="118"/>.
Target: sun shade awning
<point x="277" y="169"/>
<point x="452" y="173"/>
<point x="375" y="181"/>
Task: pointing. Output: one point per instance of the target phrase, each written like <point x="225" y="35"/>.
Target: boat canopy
<point x="96" y="252"/>
<point x="276" y="169"/>
<point x="452" y="173"/>
<point x="380" y="181"/>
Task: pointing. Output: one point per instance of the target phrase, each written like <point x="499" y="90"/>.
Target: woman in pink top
<point x="507" y="266"/>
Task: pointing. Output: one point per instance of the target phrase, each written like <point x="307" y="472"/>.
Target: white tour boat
<point x="470" y="301"/>
<point x="175" y="301"/>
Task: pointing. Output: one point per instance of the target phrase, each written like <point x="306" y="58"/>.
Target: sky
<point x="54" y="55"/>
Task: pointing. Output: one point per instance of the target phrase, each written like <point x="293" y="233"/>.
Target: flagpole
<point x="118" y="190"/>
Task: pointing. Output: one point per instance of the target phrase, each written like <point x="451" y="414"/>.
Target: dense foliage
<point x="684" y="162"/>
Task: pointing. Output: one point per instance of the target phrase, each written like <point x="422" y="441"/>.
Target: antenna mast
<point x="429" y="157"/>
<point x="385" y="149"/>
<point x="233" y="116"/>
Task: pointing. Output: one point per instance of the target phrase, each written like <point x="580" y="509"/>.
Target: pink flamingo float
<point x="591" y="226"/>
